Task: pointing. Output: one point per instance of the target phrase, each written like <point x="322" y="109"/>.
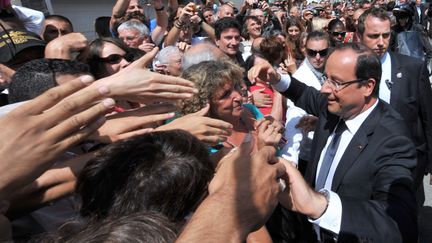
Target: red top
<point x="267" y="90"/>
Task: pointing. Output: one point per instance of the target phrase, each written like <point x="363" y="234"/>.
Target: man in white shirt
<point x="358" y="186"/>
<point x="310" y="73"/>
<point x="405" y="86"/>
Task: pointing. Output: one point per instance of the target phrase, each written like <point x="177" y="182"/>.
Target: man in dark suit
<point x="420" y="13"/>
<point x="362" y="192"/>
<point x="405" y="86"/>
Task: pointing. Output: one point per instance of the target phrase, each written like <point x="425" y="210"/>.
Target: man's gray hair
<point x="133" y="24"/>
<point x="200" y="53"/>
<point x="165" y="55"/>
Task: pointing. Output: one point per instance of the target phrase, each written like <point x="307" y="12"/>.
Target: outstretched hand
<point x="263" y="72"/>
<point x="136" y="83"/>
<point x="298" y="195"/>
<point x="251" y="182"/>
<point x="44" y="128"/>
<point x="133" y="122"/>
<point x="208" y="130"/>
<point x="269" y="132"/>
<point x="307" y="123"/>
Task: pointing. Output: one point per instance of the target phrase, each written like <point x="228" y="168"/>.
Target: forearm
<point x="172" y="37"/>
<point x="118" y="11"/>
<point x="209" y="30"/>
<point x="62" y="174"/>
<point x="214" y="221"/>
<point x="173" y="6"/>
<point x="161" y="25"/>
<point x="277" y="108"/>
<point x="40" y="199"/>
<point x="120" y="8"/>
<point x="54" y="184"/>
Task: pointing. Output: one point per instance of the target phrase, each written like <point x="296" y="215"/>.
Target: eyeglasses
<point x="337" y="86"/>
<point x="313" y="53"/>
<point x="350" y="9"/>
<point x="117" y="58"/>
<point x="338" y="33"/>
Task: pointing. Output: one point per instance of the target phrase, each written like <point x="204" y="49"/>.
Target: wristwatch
<point x="326" y="194"/>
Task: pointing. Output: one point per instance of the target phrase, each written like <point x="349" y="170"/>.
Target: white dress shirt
<point x="332" y="217"/>
<point x="386" y="80"/>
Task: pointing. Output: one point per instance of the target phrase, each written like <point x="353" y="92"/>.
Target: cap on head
<point x="13" y="42"/>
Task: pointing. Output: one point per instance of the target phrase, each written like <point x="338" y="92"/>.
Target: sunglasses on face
<point x="117" y="58"/>
<point x="338" y="34"/>
<point x="313" y="53"/>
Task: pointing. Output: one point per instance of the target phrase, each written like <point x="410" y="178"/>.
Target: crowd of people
<point x="269" y="121"/>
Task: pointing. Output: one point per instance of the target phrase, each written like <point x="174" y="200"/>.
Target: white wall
<point x="83" y="13"/>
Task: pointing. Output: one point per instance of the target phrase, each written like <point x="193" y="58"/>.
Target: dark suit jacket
<point x="421" y="19"/>
<point x="373" y="178"/>
<point x="411" y="96"/>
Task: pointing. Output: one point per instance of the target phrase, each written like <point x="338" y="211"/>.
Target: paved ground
<point x="425" y="215"/>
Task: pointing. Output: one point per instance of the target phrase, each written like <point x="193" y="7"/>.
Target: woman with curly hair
<point x="220" y="84"/>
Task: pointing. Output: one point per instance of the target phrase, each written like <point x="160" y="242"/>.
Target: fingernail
<point x="172" y="114"/>
<point x="196" y="91"/>
<point x="109" y="103"/>
<point x="103" y="90"/>
<point x="87" y="79"/>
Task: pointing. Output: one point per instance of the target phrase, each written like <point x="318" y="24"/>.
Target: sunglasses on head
<point x="338" y="33"/>
<point x="117" y="58"/>
<point x="313" y="53"/>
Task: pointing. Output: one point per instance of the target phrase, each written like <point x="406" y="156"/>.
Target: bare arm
<point x="182" y="21"/>
<point x="277" y="108"/>
<point x="53" y="122"/>
<point x="118" y="11"/>
<point x="172" y="6"/>
<point x="172" y="36"/>
<point x="206" y="27"/>
<point x="234" y="207"/>
<point x="54" y="184"/>
<point x="63" y="47"/>
<point x="161" y="22"/>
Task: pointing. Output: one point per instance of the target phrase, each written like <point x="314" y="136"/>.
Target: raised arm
<point x="42" y="129"/>
<point x="242" y="195"/>
<point x="183" y="21"/>
<point x="161" y="22"/>
<point x="65" y="46"/>
<point x="52" y="185"/>
<point x="118" y="11"/>
<point x="206" y="27"/>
